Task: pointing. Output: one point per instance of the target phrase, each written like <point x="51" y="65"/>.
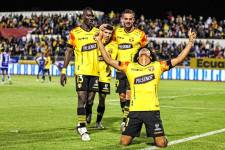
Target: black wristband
<point x="69" y="45"/>
<point x="168" y="62"/>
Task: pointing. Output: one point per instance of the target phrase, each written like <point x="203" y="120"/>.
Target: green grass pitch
<point x="42" y="116"/>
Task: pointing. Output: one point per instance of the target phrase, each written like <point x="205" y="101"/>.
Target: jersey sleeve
<point x="144" y="40"/>
<point x="71" y="40"/>
<point x="165" y="65"/>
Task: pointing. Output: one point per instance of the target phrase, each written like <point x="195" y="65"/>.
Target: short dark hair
<point x="87" y="9"/>
<point x="153" y="55"/>
<point x="109" y="27"/>
<point x="128" y="11"/>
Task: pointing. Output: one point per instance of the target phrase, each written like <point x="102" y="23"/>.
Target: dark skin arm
<point x="68" y="55"/>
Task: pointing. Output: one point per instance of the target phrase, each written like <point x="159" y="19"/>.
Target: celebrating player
<point x="144" y="75"/>
<point x="129" y="39"/>
<point x="86" y="67"/>
<point x="105" y="72"/>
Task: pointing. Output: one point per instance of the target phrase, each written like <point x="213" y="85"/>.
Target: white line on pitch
<point x="189" y="138"/>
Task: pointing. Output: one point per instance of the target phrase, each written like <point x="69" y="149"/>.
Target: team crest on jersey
<point x="144" y="79"/>
<point x="151" y="68"/>
<point x="110" y="50"/>
<point x="125" y="46"/>
<point x="89" y="47"/>
<point x="131" y="39"/>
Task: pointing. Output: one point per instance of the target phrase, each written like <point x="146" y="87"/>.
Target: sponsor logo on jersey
<point x="125" y="46"/>
<point x="89" y="47"/>
<point x="144" y="79"/>
<point x="120" y="37"/>
<point x="82" y="38"/>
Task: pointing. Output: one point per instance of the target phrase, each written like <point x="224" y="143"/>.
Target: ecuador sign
<point x="207" y="63"/>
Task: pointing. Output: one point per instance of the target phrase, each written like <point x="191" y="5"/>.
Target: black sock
<point x="122" y="104"/>
<point x="100" y="111"/>
<point x="88" y="108"/>
<point x="126" y="110"/>
<point x="81" y="117"/>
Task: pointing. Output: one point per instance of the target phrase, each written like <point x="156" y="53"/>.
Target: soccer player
<point x="129" y="39"/>
<point x="86" y="67"/>
<point x="105" y="72"/>
<point x="47" y="66"/>
<point x="5" y="60"/>
<point x="144" y="75"/>
<point x="41" y="65"/>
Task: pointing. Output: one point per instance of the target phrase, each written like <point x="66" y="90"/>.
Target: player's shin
<point x="126" y="110"/>
<point x="100" y="110"/>
<point x="81" y="115"/>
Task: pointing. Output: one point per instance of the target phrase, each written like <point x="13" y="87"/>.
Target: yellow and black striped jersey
<point x="104" y="69"/>
<point x="144" y="81"/>
<point x="85" y="50"/>
<point x="48" y="62"/>
<point x="129" y="43"/>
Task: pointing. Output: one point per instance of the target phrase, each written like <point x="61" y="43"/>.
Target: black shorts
<point x="86" y="83"/>
<point x="104" y="87"/>
<point x="4" y="69"/>
<point x="151" y="119"/>
<point x="122" y="83"/>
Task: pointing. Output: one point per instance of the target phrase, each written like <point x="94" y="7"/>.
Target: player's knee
<point x="122" y="97"/>
<point x="161" y="141"/>
<point x="128" y="94"/>
<point x="125" y="140"/>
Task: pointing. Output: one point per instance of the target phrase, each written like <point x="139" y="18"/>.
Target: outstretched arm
<point x="105" y="55"/>
<point x="185" y="51"/>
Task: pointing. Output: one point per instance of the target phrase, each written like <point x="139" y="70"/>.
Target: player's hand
<point x="98" y="36"/>
<point x="192" y="36"/>
<point x="63" y="79"/>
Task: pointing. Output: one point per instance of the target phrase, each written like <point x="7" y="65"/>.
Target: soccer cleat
<point x="83" y="133"/>
<point x="122" y="126"/>
<point x="99" y="125"/>
<point x="85" y="137"/>
<point x="88" y="119"/>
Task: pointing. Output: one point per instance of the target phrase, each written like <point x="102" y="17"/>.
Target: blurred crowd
<point x="202" y="49"/>
<point x="28" y="48"/>
<point x="169" y="27"/>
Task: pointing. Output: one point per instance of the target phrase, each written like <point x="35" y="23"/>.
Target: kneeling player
<point x="144" y="75"/>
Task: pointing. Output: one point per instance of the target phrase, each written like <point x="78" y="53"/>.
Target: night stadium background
<point x="35" y="115"/>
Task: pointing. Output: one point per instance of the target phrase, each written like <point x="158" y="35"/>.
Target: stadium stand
<point x="50" y="32"/>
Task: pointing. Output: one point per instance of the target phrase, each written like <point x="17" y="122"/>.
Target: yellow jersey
<point x="104" y="69"/>
<point x="144" y="81"/>
<point x="85" y="51"/>
<point x="129" y="43"/>
<point x="48" y="62"/>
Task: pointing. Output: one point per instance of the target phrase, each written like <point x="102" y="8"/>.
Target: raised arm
<point x="186" y="50"/>
<point x="105" y="55"/>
